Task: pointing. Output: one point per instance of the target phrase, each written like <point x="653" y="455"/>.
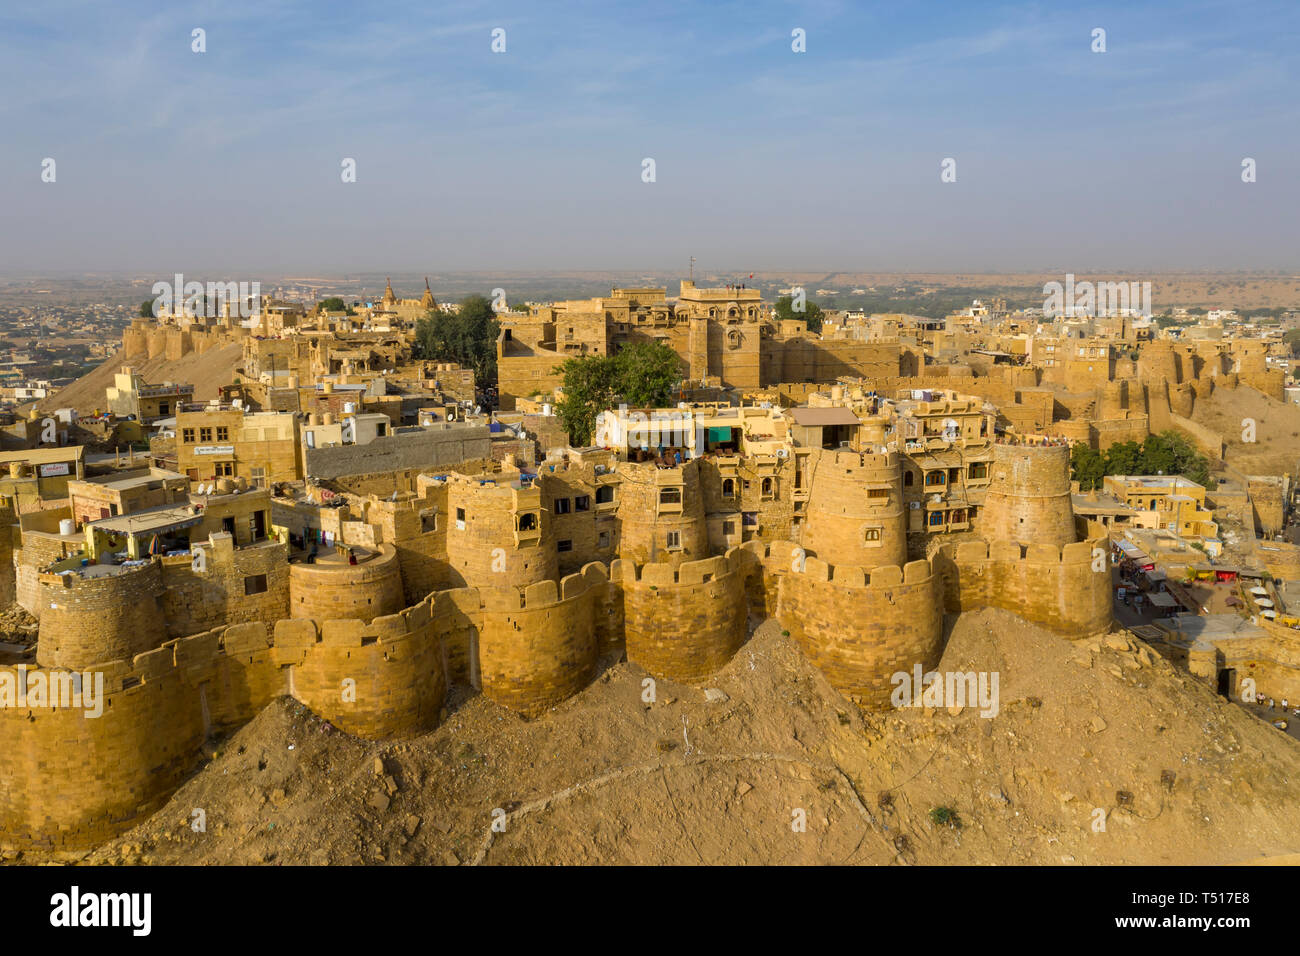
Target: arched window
<point x="528" y="522"/>
<point x="728" y="487"/>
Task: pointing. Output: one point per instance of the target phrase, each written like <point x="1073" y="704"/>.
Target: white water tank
<point x="349" y="408"/>
<point x="67" y="526"/>
<point x="546" y="409"/>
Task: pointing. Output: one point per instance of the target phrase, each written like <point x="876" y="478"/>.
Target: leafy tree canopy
<point x="642" y="375"/>
<point x="812" y="312"/>
<point x="1169" y="453"/>
<point x="467" y="337"/>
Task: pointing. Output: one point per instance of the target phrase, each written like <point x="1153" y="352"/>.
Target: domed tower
<point x="498" y="533"/>
<point x="389" y="301"/>
<point x="426" y="300"/>
<point x="661" y="514"/>
<point x="1028" y="500"/>
<point x="855" y="511"/>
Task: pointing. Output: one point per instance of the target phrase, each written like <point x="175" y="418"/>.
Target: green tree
<point x="642" y="375"/>
<point x="1124" y="459"/>
<point x="1087" y="467"/>
<point x="812" y="313"/>
<point x="467" y="337"/>
<point x="146" y="309"/>
<point x="590" y="387"/>
<point x="332" y="304"/>
<point x="647" y="373"/>
<point x="1292" y="338"/>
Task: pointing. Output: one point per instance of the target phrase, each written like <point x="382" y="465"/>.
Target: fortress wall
<point x="840" y="511"/>
<point x="135" y="340"/>
<point x="1107" y="432"/>
<point x="1271" y="382"/>
<point x="72" y="780"/>
<point x="859" y="626"/>
<point x="609" y="610"/>
<point x="36" y="551"/>
<point x="1028" y="497"/>
<point x="685" y="623"/>
<point x="1056" y="587"/>
<point x="644" y="524"/>
<point x="84" y="620"/>
<point x="362" y="591"/>
<point x="457" y="615"/>
<point x="540" y="647"/>
<point x="1182" y="399"/>
<point x="195" y="601"/>
<point x="380" y="680"/>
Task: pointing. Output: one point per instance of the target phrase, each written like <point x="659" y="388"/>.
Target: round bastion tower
<point x="498" y="533"/>
<point x="661" y="513"/>
<point x="855" y="511"/>
<point x="1028" y="499"/>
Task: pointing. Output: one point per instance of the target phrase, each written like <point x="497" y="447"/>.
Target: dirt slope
<point x="205" y="372"/>
<point x="1276" y="449"/>
<point x="1181" y="775"/>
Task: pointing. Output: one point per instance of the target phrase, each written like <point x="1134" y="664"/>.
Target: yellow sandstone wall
<point x="684" y="623"/>
<point x="74" y="780"/>
<point x="859" y="625"/>
<point x="1029" y="496"/>
<point x="1066" y="589"/>
<point x="539" y="647"/>
<point x="362" y="591"/>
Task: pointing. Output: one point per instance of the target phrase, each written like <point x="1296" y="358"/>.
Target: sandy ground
<point x="1100" y="753"/>
<point x="205" y="372"/>
<point x="1276" y="449"/>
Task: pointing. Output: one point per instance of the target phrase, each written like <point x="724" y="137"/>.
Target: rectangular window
<point x="255" y="584"/>
<point x="877" y="492"/>
<point x="564" y="546"/>
<point x="582" y="503"/>
<point x="670" y="496"/>
<point x="674" y="540"/>
<point x="187" y="436"/>
<point x="460" y="519"/>
<point x="936" y="518"/>
<point x="205" y="435"/>
<point x="223" y="433"/>
<point x="602" y="540"/>
<point x="561" y="506"/>
<point x="728" y="527"/>
<point x="224" y="469"/>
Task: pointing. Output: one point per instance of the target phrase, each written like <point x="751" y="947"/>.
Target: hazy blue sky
<point x="229" y="161"/>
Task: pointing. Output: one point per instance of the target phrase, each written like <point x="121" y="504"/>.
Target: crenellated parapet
<point x="538" y="646"/>
<point x="75" y="778"/>
<point x="858" y="625"/>
<point x="78" y="774"/>
<point x="1065" y="588"/>
<point x="684" y="623"/>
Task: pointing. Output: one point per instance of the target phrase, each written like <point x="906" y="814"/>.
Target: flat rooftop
<point x="153" y="520"/>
